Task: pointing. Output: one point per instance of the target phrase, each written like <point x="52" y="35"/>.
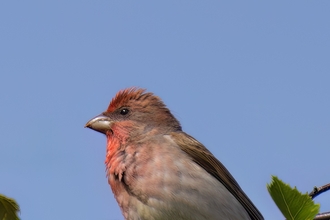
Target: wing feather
<point x="199" y="153"/>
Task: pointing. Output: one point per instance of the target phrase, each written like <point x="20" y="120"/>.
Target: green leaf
<point x="8" y="208"/>
<point x="293" y="204"/>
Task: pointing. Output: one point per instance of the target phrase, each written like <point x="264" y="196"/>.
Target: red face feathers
<point x="139" y="111"/>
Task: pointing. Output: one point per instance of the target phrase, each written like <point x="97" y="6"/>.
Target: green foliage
<point x="8" y="208"/>
<point x="293" y="204"/>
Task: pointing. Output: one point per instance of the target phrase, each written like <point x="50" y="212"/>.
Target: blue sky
<point x="249" y="79"/>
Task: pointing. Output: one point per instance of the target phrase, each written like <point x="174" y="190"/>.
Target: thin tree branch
<point x="323" y="216"/>
<point x="318" y="190"/>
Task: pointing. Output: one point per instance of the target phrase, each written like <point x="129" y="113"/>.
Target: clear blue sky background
<point x="249" y="79"/>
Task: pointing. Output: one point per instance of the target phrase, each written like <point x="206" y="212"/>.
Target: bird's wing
<point x="205" y="159"/>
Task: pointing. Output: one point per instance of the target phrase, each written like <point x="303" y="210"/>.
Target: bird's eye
<point x="124" y="111"/>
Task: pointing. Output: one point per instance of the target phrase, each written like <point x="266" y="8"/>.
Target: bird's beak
<point x="100" y="123"/>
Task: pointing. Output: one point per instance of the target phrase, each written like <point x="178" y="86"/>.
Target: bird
<point x="157" y="171"/>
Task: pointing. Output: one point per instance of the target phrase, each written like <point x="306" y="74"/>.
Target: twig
<point x="318" y="190"/>
<point x="323" y="216"/>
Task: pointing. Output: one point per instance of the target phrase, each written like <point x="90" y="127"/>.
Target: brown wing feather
<point x="205" y="159"/>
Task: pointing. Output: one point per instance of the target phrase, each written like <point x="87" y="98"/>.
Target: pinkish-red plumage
<point x="156" y="171"/>
<point x="123" y="96"/>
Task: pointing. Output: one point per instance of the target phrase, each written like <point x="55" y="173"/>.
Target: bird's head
<point x="134" y="112"/>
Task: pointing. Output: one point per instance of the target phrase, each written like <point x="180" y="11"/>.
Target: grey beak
<point x="99" y="123"/>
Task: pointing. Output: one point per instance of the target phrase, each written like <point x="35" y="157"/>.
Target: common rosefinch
<point x="157" y="171"/>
